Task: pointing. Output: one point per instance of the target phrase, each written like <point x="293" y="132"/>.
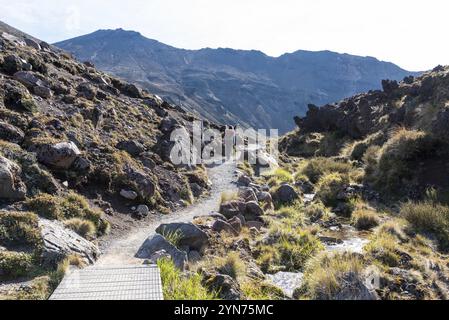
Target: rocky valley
<point x="230" y="86"/>
<point x="356" y="207"/>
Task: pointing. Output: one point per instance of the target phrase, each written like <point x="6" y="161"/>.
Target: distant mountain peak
<point x="254" y="89"/>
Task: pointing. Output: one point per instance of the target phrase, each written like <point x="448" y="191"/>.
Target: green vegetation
<point x="290" y="248"/>
<point x="232" y="265"/>
<point x="365" y="219"/>
<point x="327" y="275"/>
<point x="16" y="264"/>
<point x="329" y="187"/>
<point x="279" y="176"/>
<point x="257" y="290"/>
<point x="177" y="286"/>
<point x="429" y="218"/>
<point x="19" y="228"/>
<point x="72" y="206"/>
<point x="84" y="228"/>
<point x="316" y="168"/>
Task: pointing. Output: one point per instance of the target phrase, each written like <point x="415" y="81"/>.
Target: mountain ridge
<point x="226" y="85"/>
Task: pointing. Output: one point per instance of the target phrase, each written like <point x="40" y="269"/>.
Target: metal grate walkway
<point x="111" y="283"/>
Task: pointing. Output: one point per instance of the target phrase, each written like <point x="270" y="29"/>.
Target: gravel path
<point x="121" y="251"/>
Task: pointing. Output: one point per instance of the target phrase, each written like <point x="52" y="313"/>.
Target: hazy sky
<point x="410" y="33"/>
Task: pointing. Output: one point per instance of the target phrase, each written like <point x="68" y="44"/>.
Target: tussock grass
<point x="71" y="206"/>
<point x="177" y="286"/>
<point x="15" y="264"/>
<point x="316" y="211"/>
<point x="327" y="275"/>
<point x="246" y="168"/>
<point x="228" y="196"/>
<point x="19" y="228"/>
<point x="365" y="219"/>
<point x="232" y="265"/>
<point x="383" y="247"/>
<point x="279" y="176"/>
<point x="429" y="218"/>
<point x="84" y="228"/>
<point x="329" y="186"/>
<point x="316" y="168"/>
<point x="290" y="248"/>
<point x="257" y="290"/>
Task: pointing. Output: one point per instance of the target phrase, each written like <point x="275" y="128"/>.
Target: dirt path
<point x="121" y="251"/>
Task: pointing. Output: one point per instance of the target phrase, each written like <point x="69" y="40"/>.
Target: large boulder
<point x="285" y="194"/>
<point x="60" y="155"/>
<point x="247" y="194"/>
<point x="10" y="133"/>
<point x="231" y="209"/>
<point x="59" y="242"/>
<point x="133" y="147"/>
<point x="253" y="211"/>
<point x="11" y="185"/>
<point x="140" y="182"/>
<point x="30" y="79"/>
<point x="189" y="235"/>
<point x="155" y="244"/>
<point x="223" y="226"/>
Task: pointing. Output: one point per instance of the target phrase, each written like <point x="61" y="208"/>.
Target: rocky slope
<point x="233" y="86"/>
<point x="400" y="131"/>
<point x="79" y="151"/>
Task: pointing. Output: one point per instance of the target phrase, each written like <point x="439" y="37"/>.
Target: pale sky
<point x="410" y="33"/>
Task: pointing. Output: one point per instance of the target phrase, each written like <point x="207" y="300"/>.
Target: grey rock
<point x="11" y="185"/>
<point x="129" y="194"/>
<point x="223" y="226"/>
<point x="168" y="124"/>
<point x="232" y="208"/>
<point x="247" y="194"/>
<point x="189" y="235"/>
<point x="255" y="224"/>
<point x="244" y="180"/>
<point x="43" y="92"/>
<point x="87" y="91"/>
<point x="32" y="43"/>
<point x="253" y="210"/>
<point x="140" y="182"/>
<point x="158" y="255"/>
<point x="157" y="243"/>
<point x="60" y="155"/>
<point x="133" y="147"/>
<point x="10" y="133"/>
<point x="29" y="79"/>
<point x="285" y="194"/>
<point x="194" y="256"/>
<point x="236" y="224"/>
<point x="143" y="210"/>
<point x="59" y="242"/>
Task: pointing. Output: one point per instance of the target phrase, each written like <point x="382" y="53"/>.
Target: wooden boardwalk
<point x="111" y="283"/>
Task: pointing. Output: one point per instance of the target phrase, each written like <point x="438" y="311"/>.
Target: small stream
<point x="340" y="238"/>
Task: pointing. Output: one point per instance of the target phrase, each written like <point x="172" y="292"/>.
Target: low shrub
<point x="84" y="228"/>
<point x="177" y="286"/>
<point x="333" y="276"/>
<point x="288" y="248"/>
<point x="365" y="219"/>
<point x="329" y="186"/>
<point x="232" y="265"/>
<point x="19" y="228"/>
<point x="15" y="264"/>
<point x="429" y="218"/>
<point x="316" y="168"/>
